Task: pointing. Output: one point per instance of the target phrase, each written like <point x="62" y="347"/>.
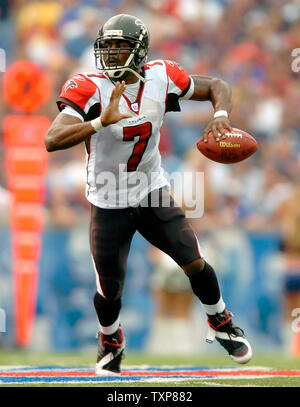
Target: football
<point x="237" y="146"/>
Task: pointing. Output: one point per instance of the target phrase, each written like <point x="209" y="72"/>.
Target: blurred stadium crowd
<point x="247" y="43"/>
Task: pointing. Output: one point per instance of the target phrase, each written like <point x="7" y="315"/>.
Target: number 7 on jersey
<point x="143" y="131"/>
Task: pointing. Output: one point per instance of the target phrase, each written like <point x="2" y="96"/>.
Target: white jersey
<point x="123" y="159"/>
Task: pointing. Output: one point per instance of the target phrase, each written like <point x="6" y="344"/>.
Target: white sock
<point x="215" y="308"/>
<point x="109" y="330"/>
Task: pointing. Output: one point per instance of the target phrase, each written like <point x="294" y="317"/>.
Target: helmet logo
<point x="139" y="23"/>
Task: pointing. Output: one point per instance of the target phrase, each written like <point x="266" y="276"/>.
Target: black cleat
<point x="110" y="353"/>
<point x="229" y="336"/>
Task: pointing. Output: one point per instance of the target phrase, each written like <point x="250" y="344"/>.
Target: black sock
<point x="107" y="311"/>
<point x="205" y="285"/>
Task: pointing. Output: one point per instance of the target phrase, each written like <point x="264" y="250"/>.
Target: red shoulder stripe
<point x="177" y="74"/>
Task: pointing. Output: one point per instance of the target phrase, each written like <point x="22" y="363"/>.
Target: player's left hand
<point x="218" y="126"/>
<point x="112" y="113"/>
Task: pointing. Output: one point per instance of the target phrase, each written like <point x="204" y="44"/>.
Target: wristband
<point x="96" y="124"/>
<point x="220" y="113"/>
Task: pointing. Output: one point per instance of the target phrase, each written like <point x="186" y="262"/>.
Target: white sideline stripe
<point x="9" y="367"/>
<point x="136" y="367"/>
<point x="231" y="385"/>
<point x="150" y="380"/>
<point x="218" y="384"/>
<point x="234" y="377"/>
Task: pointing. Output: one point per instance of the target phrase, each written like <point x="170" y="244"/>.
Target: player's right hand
<point x="112" y="113"/>
<point x="218" y="126"/>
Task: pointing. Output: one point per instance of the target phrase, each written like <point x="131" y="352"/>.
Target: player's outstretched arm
<point x="219" y="93"/>
<point x="66" y="131"/>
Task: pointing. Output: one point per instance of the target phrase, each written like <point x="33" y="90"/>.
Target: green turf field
<point x="84" y="359"/>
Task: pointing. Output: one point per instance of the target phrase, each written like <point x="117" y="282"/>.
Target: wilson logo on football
<point x="229" y="144"/>
<point x="71" y="84"/>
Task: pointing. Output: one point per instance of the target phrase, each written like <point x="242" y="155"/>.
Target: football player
<point x="118" y="112"/>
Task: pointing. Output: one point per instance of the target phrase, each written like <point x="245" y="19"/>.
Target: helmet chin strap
<point x="118" y="72"/>
<point x="111" y="73"/>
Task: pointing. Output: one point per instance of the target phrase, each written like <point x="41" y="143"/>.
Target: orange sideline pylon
<point x="26" y="87"/>
<point x="26" y="165"/>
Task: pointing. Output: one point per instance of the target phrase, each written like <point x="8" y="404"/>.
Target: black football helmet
<point x="128" y="28"/>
